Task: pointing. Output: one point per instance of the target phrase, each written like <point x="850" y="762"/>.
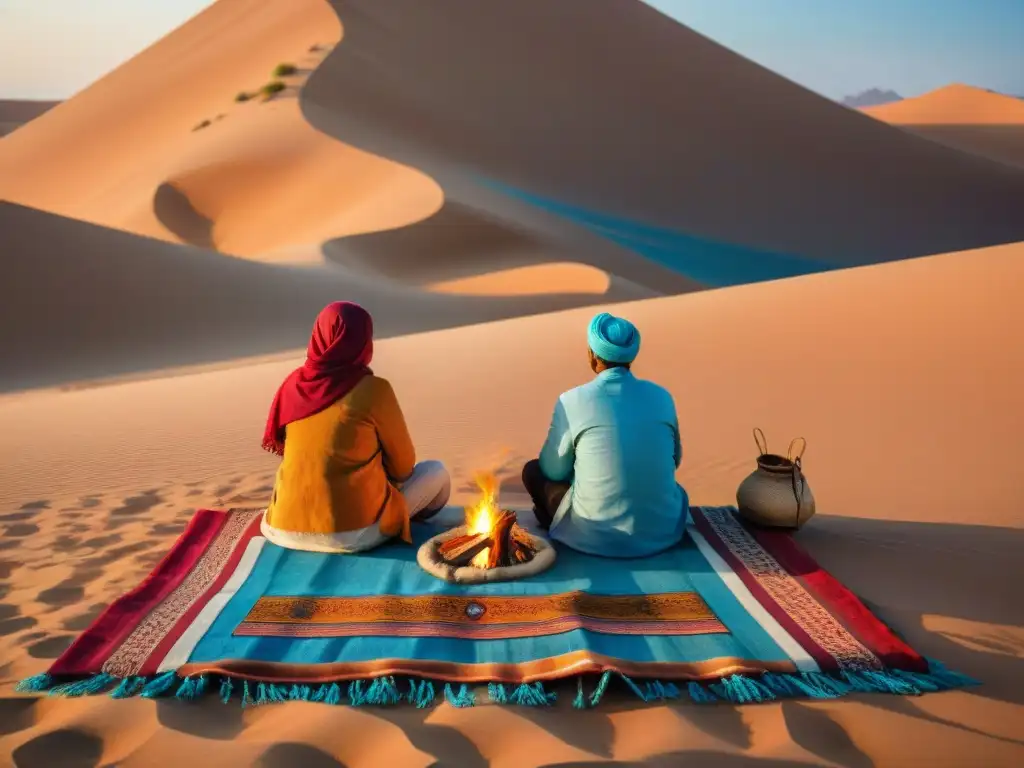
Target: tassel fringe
<point x="388" y="691"/>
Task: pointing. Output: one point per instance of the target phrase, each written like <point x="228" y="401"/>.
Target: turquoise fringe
<point x="463" y="698"/>
<point x="160" y="685"/>
<point x="35" y="684"/>
<point x="421" y="694"/>
<point x="524" y="695"/>
<point x="386" y="691"/>
<point x="128" y="687"/>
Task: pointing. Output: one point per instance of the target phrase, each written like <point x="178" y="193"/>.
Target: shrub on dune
<point x="242" y="96"/>
<point x="283" y="70"/>
<point x="270" y="89"/>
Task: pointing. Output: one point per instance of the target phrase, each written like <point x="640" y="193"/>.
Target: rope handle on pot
<point x="789" y="452"/>
<point x="798" y="475"/>
<point x="760" y="440"/>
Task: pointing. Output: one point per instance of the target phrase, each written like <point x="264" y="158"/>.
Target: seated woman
<point x="349" y="479"/>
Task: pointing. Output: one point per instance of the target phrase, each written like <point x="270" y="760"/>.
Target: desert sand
<point x="966" y="118"/>
<point x="156" y="298"/>
<point x="878" y="367"/>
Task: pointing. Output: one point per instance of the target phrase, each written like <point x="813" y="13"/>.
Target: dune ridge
<point x="250" y="179"/>
<point x="955" y="104"/>
<point x="965" y="118"/>
<point x="254" y="176"/>
<point x="748" y="171"/>
<point x="142" y="304"/>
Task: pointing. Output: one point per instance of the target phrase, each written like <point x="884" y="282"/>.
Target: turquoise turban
<point x="613" y="339"/>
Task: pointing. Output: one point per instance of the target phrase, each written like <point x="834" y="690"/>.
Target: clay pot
<point x="776" y="494"/>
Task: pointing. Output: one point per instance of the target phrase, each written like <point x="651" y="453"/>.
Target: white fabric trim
<point x="803" y="661"/>
<point x="182" y="649"/>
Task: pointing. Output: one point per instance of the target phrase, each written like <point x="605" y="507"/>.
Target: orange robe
<point x="342" y="467"/>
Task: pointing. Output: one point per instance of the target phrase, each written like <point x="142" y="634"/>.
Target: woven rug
<point x="733" y="614"/>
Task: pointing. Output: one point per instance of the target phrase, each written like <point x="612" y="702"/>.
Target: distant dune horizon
<point x="974" y="120"/>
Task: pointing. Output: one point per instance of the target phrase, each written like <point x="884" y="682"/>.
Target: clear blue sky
<point x="841" y="47"/>
<point x="51" y="48"/>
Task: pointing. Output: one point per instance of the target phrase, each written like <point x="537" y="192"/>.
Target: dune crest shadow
<point x="175" y="211"/>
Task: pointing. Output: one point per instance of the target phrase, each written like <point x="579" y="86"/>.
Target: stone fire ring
<point x="431" y="562"/>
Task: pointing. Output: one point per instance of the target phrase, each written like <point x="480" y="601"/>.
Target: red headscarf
<point x="339" y="352"/>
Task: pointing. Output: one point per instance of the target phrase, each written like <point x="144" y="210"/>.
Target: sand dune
<point x="746" y="189"/>
<point x="688" y="140"/>
<point x="244" y="178"/>
<point x="965" y="118"/>
<point x="905" y="378"/>
<point x="85" y="302"/>
<point x="955" y="104"/>
<point x="159" y="148"/>
<point x="15" y="113"/>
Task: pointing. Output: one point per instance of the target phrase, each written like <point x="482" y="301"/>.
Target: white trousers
<point x="426" y="490"/>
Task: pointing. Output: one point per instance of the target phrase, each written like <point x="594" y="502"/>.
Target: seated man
<point x="605" y="482"/>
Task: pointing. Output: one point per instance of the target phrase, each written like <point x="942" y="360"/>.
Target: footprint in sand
<point x="66" y="543"/>
<point x="82" y="621"/>
<point x="99" y="542"/>
<point x="136" y="505"/>
<point x="167" y="529"/>
<point x="223" y="491"/>
<point x="65" y="593"/>
<point x="16" y="623"/>
<point x="17" y="714"/>
<point x="287" y="755"/>
<point x="50" y="647"/>
<point x="18" y="517"/>
<point x="206" y="719"/>
<point x="63" y="748"/>
<point x="113" y="555"/>
<point x="21" y="530"/>
<point x="149" y="559"/>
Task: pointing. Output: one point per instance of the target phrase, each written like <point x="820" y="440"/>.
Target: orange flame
<point x="482" y="517"/>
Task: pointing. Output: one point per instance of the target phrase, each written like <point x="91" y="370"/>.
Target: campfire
<point x="492" y="537"/>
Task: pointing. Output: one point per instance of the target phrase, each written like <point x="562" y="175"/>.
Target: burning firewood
<point x="454" y="542"/>
<point x="522" y="538"/>
<point x="464" y="548"/>
<point x="501" y="546"/>
<point x="520" y="553"/>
